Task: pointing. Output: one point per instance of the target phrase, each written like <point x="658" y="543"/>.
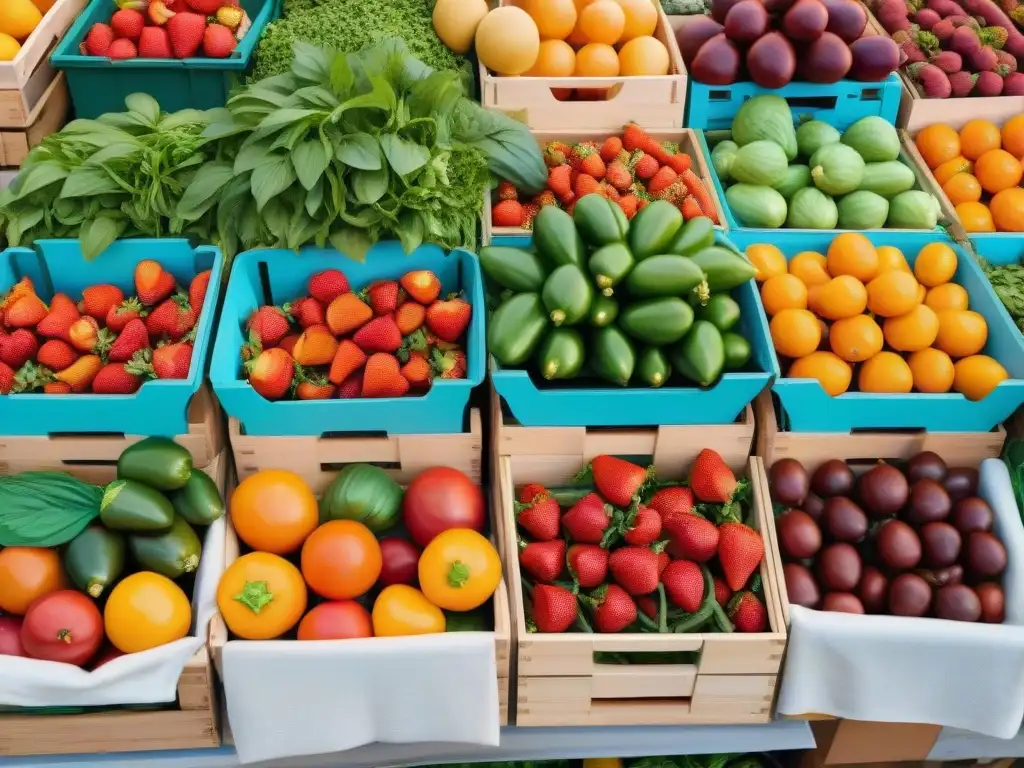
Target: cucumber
<point x="657" y="321"/>
<point x="603" y="311"/>
<point x="725" y="269"/>
<point x="652" y="367"/>
<point x="94" y="559"/>
<point x="613" y="356"/>
<point x="696" y="234"/>
<point x="560" y="355"/>
<point x="156" y="461"/>
<point x="172" y="553"/>
<point x="596" y="221"/>
<point x="556" y="238"/>
<point x="513" y="268"/>
<point x="700" y="356"/>
<point x="467" y="621"/>
<point x="567" y="295"/>
<point x="609" y="265"/>
<point x="737" y="350"/>
<point x="664" y="275"/>
<point x="654" y="228"/>
<point x="199" y="502"/>
<point x="132" y="506"/>
<point x="515" y="328"/>
<point x="721" y="311"/>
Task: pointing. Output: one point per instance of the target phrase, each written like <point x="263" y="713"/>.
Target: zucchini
<point x="556" y="238"/>
<point x="156" y="461"/>
<point x="513" y="268"/>
<point x="516" y="327"/>
<point x="94" y="559"/>
<point x="664" y="275"/>
<point x="172" y="553"/>
<point x="561" y="355"/>
<point x="199" y="502"/>
<point x="132" y="506"/>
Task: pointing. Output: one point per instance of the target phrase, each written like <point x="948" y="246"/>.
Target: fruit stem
<point x="557" y="317"/>
<point x="662" y="609"/>
<point x="255" y="595"/>
<point x="458" y="574"/>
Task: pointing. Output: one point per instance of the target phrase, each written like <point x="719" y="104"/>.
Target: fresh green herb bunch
<point x="1008" y="282"/>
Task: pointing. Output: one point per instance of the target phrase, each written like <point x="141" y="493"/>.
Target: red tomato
<point x="10" y="636"/>
<point x="441" y="498"/>
<point x="401" y="562"/>
<point x="336" y="620"/>
<point x="63" y="626"/>
<point x="107" y="654"/>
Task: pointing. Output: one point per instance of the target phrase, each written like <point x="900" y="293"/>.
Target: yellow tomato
<point x="459" y="570"/>
<point x="261" y="596"/>
<point x="403" y="610"/>
<point x="146" y="610"/>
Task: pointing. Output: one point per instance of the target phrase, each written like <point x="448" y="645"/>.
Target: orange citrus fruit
<point x="976" y="217"/>
<point x="768" y="260"/>
<point x="852" y="254"/>
<point x="951" y="168"/>
<point x="962" y="188"/>
<point x="962" y="333"/>
<point x="937" y="144"/>
<point x="978" y="137"/>
<point x="833" y="373"/>
<point x="886" y="372"/>
<point x="913" y="331"/>
<point x="890" y="258"/>
<point x="783" y="292"/>
<point x="856" y="338"/>
<point x="641" y="18"/>
<point x="1013" y="136"/>
<point x="555" y="58"/>
<point x="892" y="293"/>
<point x="946" y="296"/>
<point x="795" y="332"/>
<point x="602" y="22"/>
<point x="997" y="170"/>
<point x="596" y="60"/>
<point x="554" y="18"/>
<point x="843" y="296"/>
<point x="976" y="376"/>
<point x="1007" y="209"/>
<point x="932" y="370"/>
<point x="643" y="56"/>
<point x="935" y="264"/>
<point x="810" y="267"/>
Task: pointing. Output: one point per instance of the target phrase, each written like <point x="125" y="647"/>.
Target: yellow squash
<point x="18" y="18"/>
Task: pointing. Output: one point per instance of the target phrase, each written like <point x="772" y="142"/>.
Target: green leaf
<point x="275" y="217"/>
<point x="353" y="243"/>
<point x="144" y="105"/>
<point x="117" y="151"/>
<point x="311" y="62"/>
<point x="317" y="96"/>
<point x="381" y="96"/>
<point x="370" y="186"/>
<point x="186" y="118"/>
<point x="271" y="179"/>
<point x="36" y="177"/>
<point x="301" y="230"/>
<point x="282" y="118"/>
<point x="404" y="156"/>
<point x="98" y="234"/>
<point x="289" y="138"/>
<point x="410" y="231"/>
<point x="88" y="182"/>
<point x="359" y="150"/>
<point x="315" y="197"/>
<point x="342" y="78"/>
<point x="310" y="161"/>
<point x="203" y="193"/>
<point x="252" y="155"/>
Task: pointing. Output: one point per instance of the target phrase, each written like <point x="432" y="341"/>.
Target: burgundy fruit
<point x="883" y="490"/>
<point x="801" y="587"/>
<point x="720" y="9"/>
<point x="926" y="464"/>
<point x="400" y="561"/>
<point x="986" y="555"/>
<point x="993" y="608"/>
<point x="814" y="506"/>
<point x="789" y="482"/>
<point x="928" y="502"/>
<point x="846" y="18"/>
<point x="875" y="57"/>
<point x="833" y="478"/>
<point x="692" y="35"/>
<point x="771" y="62"/>
<point x="805" y="21"/>
<point x="717" y="62"/>
<point x="746" y="22"/>
<point x="842" y="602"/>
<point x="957" y="602"/>
<point x="872" y="589"/>
<point x="778" y="6"/>
<point x="898" y="545"/>
<point x="941" y="544"/>
<point x="10" y="637"/>
<point x="826" y="60"/>
<point x="972" y="514"/>
<point x="799" y="536"/>
<point x="909" y="595"/>
<point x="961" y="482"/>
<point x="844" y="520"/>
<point x="839" y="568"/>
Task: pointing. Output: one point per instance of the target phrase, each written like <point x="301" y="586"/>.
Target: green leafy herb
<point x="1008" y="282"/>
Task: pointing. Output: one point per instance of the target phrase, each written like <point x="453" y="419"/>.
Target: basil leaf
<point x="278" y="120"/>
<point x="253" y="155"/>
<point x="145" y="106"/>
<point x="315" y="197"/>
<point x="275" y="217"/>
<point x="310" y="62"/>
<point x="359" y="150"/>
<point x="88" y="182"/>
<point x="203" y="193"/>
<point x="404" y="156"/>
<point x="369" y="186"/>
<point x="36" y="177"/>
<point x="98" y="234"/>
<point x="271" y="179"/>
<point x="353" y="243"/>
<point x="410" y="231"/>
<point x="310" y="161"/>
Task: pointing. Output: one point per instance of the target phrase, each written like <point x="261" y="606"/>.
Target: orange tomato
<point x="554" y="18"/>
<point x="885" y="373"/>
<point x="27" y="573"/>
<point x="962" y="333"/>
<point x="641" y="18"/>
<point x="913" y="331"/>
<point x="978" y="137"/>
<point x="935" y="264"/>
<point x="146" y="610"/>
<point x="795" y="332"/>
<point x="274" y="511"/>
<point x="810" y="268"/>
<point x="946" y="296"/>
<point x="767" y="259"/>
<point x="997" y="170"/>
<point x="261" y="596"/>
<point x="855" y="339"/>
<point x="891" y="258"/>
<point x="976" y="376"/>
<point x="976" y="217"/>
<point x="851" y="253"/>
<point x="1007" y="209"/>
<point x="892" y="293"/>
<point x="556" y="58"/>
<point x="932" y="370"/>
<point x="459" y="570"/>
<point x="341" y="559"/>
<point x="401" y="610"/>
<point x="937" y="144"/>
<point x="831" y="371"/>
<point x="962" y="188"/>
<point x="783" y="292"/>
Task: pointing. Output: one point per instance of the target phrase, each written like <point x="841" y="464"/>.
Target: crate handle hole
<point x="621" y="660"/>
<point x="871" y="94"/>
<point x="86" y="435"/>
<point x="264" y="272"/>
<point x="340" y="465"/>
<point x="89" y="462"/>
<point x="812" y="102"/>
<point x="720" y="95"/>
<point x="881" y="431"/>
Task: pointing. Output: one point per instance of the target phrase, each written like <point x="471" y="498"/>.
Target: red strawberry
<point x="560" y="181"/>
<point x="173" y="318"/>
<point x="312" y="385"/>
<point x="98" y="299"/>
<point x="57" y="323"/>
<point x="122" y="49"/>
<point x="691" y="537"/>
<point x="588" y="564"/>
<point x="645" y="529"/>
<point x="306" y="312"/>
<point x="328" y="285"/>
<point x="118" y="317"/>
<point x="537" y="513"/>
<point x="422" y="285"/>
<point x="218" y="41"/>
<point x="410" y="317"/>
<point x="18" y="348"/>
<point x="348" y="359"/>
<point x="618" y="480"/>
<point x="663" y="560"/>
<point x="127" y="23"/>
<point x="271" y="373"/>
<point x="740" y="549"/>
<point x="507" y="213"/>
<point x="7" y="384"/>
<point x="610" y="148"/>
<point x="384" y="296"/>
<point x="379" y="335"/>
<point x="679" y="162"/>
<point x="153" y="283"/>
<point x="722" y="592"/>
<point x="587" y="520"/>
<point x="748" y="613"/>
<point x="316" y="346"/>
<point x="115" y="379"/>
<point x="554" y="608"/>
<point x="169" y="361"/>
<point x="661" y="180"/>
<point x="585" y="185"/>
<point x="382" y="377"/>
<point x="418" y="371"/>
<point x="133" y="338"/>
<point x="615" y="609"/>
<point x="205" y="7"/>
<point x="672" y="501"/>
<point x="25" y="312"/>
<point x="87" y="336"/>
<point x="635" y="569"/>
<point x="644" y="166"/>
<point x="648" y="605"/>
<point x="269" y="326"/>
<point x="451" y="364"/>
<point x="542" y="559"/>
<point x="186" y="31"/>
<point x="347" y="313"/>
<point x="618" y="176"/>
<point x="56" y="388"/>
<point x="351" y="387"/>
<point x="96" y="43"/>
<point x="711" y="479"/>
<point x="684" y="584"/>
<point x="56" y="355"/>
<point x="197" y="289"/>
<point x="155" y="43"/>
<point x="448" y="319"/>
<point x="507" y="191"/>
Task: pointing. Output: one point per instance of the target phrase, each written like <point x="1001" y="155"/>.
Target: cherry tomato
<point x="63" y="626"/>
<point x="400" y="560"/>
<point x="337" y="620"/>
<point x="10" y="636"/>
<point x="459" y="570"/>
<point x="440" y="498"/>
<point x="403" y="610"/>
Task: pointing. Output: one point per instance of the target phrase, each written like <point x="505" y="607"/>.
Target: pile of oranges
<point x="980" y="171"/>
<point x="862" y="310"/>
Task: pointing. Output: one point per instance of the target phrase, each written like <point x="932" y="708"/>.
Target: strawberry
<point x="218" y="41"/>
<point x="56" y="355"/>
<point x="585" y="185"/>
<point x="271" y="373"/>
<point x="645" y="529"/>
<point x="312" y="385"/>
<point x="153" y="283"/>
<point x="79" y="375"/>
<point x="672" y="501"/>
<point x="560" y="181"/>
<point x="316" y="346"/>
<point x="556" y="153"/>
<point x="18" y="348"/>
<point x="57" y="323"/>
<point x="593" y="165"/>
<point x="133" y="338"/>
<point x="205" y="7"/>
<point x="663" y="560"/>
<point x="197" y="289"/>
<point x="348" y="359"/>
<point x="186" y="31"/>
<point x="740" y="549"/>
<point x="634" y="137"/>
<point x="410" y="317"/>
<point x="722" y="592"/>
<point x="507" y="191"/>
<point x="748" y="613"/>
<point x="287" y="343"/>
<point x="711" y="480"/>
<point x="542" y="559"/>
<point x="167" y="361"/>
<point x="115" y="379"/>
<point x="384" y="296"/>
<point x="628" y="204"/>
<point x="684" y="584"/>
<point x="690" y="208"/>
<point x="635" y="569"/>
<point x="448" y="319"/>
<point x="618" y="480"/>
<point x="87" y="336"/>
<point x="347" y="313"/>
<point x="648" y="605"/>
<point x="122" y="49"/>
<point x="422" y="285"/>
<point x="588" y="564"/>
<point x="587" y="520"/>
<point x="530" y="211"/>
<point x="97" y="43"/>
<point x="618" y="175"/>
<point x="610" y="148"/>
<point x="450" y="364"/>
<point x="154" y="43"/>
<point x="55" y="388"/>
<point x="608" y="191"/>
<point x="328" y="285"/>
<point x="661" y="180"/>
<point x="614" y="608"/>
<point x="554" y="608"/>
<point x="127" y="23"/>
<point x="382" y="377"/>
<point x="643" y="165"/>
<point x="25" y="312"/>
<point x="173" y="318"/>
<point x="269" y="325"/>
<point x="23" y="287"/>
<point x="351" y="387"/>
<point x="417" y="370"/>
<point x="679" y="162"/>
<point x="118" y="317"/>
<point x="379" y="335"/>
<point x="537" y="513"/>
<point x="160" y="12"/>
<point x="547" y="197"/>
<point x="691" y="537"/>
<point x="507" y="213"/>
<point x="306" y="312"/>
<point x="6" y="379"/>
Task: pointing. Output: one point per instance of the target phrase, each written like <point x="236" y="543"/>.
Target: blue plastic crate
<point x="159" y="407"/>
<point x="99" y="85"/>
<point x="999" y="247"/>
<point x="441" y="410"/>
<point x="712" y="107"/>
<point x="809" y="409"/>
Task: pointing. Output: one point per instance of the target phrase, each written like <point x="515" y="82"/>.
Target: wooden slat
<point x="48" y="117"/>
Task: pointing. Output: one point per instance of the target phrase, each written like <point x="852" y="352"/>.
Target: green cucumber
<point x="560" y="355"/>
<point x="652" y="367"/>
<point x="657" y="321"/>
<point x="695" y="235"/>
<point x="654" y="228"/>
<point x="725" y="269"/>
<point x="596" y="221"/>
<point x="129" y="505"/>
<point x="567" y="295"/>
<point x="737" y="350"/>
<point x="172" y="553"/>
<point x="609" y="265"/>
<point x="721" y="311"/>
<point x="513" y="268"/>
<point x="700" y="356"/>
<point x="156" y="461"/>
<point x="516" y="327"/>
<point x="664" y="275"/>
<point x="467" y="621"/>
<point x="603" y="311"/>
<point x="199" y="502"/>
<point x="556" y="238"/>
<point x="612" y="355"/>
<point x="94" y="559"/>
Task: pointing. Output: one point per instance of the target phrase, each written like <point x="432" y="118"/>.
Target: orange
<point x="783" y="292"/>
<point x="1013" y="136"/>
<point x="767" y="260"/>
<point x="596" y="60"/>
<point x="840" y="297"/>
<point x="554" y="18"/>
<point x="274" y="511"/>
<point x="856" y="338"/>
<point x="507" y="40"/>
<point x="852" y="254"/>
<point x="576" y="38"/>
<point x="922" y="292"/>
<point x="978" y="137"/>
<point x="555" y="58"/>
<point x="997" y="170"/>
<point x="947" y="296"/>
<point x="890" y="258"/>
<point x="1008" y="210"/>
<point x="810" y="268"/>
<point x="976" y="217"/>
<point x="602" y="22"/>
<point x="976" y="376"/>
<point x="962" y="188"/>
<point x="795" y="332"/>
<point x="27" y="573"/>
<point x="935" y="264"/>
<point x="892" y="293"/>
<point x="913" y="331"/>
<point x="962" y="333"/>
<point x="643" y="56"/>
<point x="951" y="168"/>
<point x="932" y="370"/>
<point x="886" y="372"/>
<point x="341" y="560"/>
<point x="641" y="18"/>
<point x="146" y="610"/>
<point x="261" y="596"/>
<point x="937" y="144"/>
<point x="824" y="327"/>
<point x="833" y="373"/>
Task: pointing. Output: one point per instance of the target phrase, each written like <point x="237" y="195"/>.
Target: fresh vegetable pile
<point x="773" y="42"/>
<point x="106" y="343"/>
<point x="980" y="171"/>
<point x="640" y="554"/>
<point x="631" y="170"/>
<point x="127" y="543"/>
<point x="863" y="307"/>
<point x="656" y="282"/>
<point x="388" y="340"/>
<point x="848" y="180"/>
<point x="263" y="595"/>
<point x="910" y="541"/>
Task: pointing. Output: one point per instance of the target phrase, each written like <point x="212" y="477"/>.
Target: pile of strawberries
<point x="389" y="340"/>
<point x="166" y="29"/>
<point x="106" y="343"/>
<point x="678" y="556"/>
<point x="631" y="170"/>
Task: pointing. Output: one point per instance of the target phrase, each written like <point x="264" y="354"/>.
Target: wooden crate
<point x="652" y="101"/>
<point x="684" y="137"/>
<point x="48" y="117"/>
<point x="927" y="181"/>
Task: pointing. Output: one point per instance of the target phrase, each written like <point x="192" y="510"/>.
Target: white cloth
<point x="288" y="698"/>
<point x="908" y="670"/>
<point x="149" y="677"/>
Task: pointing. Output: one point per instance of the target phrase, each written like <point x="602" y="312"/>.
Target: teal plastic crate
<point x="160" y="407"/>
<point x="712" y="107"/>
<point x="285" y="275"/>
<point x="999" y="247"/>
<point x="808" y="408"/>
<point x="100" y="85"/>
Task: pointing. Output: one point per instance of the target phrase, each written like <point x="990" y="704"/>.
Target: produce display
<point x="979" y="169"/>
<point x="106" y="343"/>
<point x="914" y="540"/>
<point x="430" y="572"/>
<point x="641" y="556"/>
<point x="631" y="170"/>
<point x="776" y="41"/>
<point x="815" y="177"/>
<point x="89" y="573"/>
<point x="653" y="295"/>
<point x="858" y="306"/>
<point x="1008" y="283"/>
<point x="18" y="20"/>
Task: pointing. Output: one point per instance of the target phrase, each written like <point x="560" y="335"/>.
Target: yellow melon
<point x="507" y="41"/>
<point x="9" y="47"/>
<point x="18" y="18"/>
<point x="455" y="22"/>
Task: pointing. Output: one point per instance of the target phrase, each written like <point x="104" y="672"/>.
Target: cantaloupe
<point x="9" y="47"/>
<point x="455" y="22"/>
<point x="507" y="41"/>
<point x="18" y="18"/>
